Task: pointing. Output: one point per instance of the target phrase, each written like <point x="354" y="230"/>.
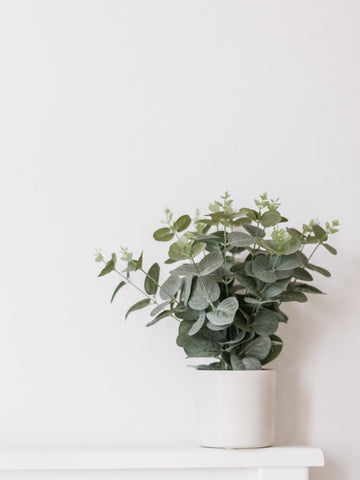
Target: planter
<point x="235" y="408"/>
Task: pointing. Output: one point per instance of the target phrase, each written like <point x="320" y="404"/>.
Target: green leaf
<point x="295" y="233"/>
<point x="255" y="231"/>
<point x="170" y="287"/>
<point x="258" y="348"/>
<point x="293" y="297"/>
<point x="183" y="335"/>
<point x="331" y="249"/>
<point x="236" y="362"/>
<point x="265" y="322"/>
<point x="182" y="223"/>
<point x="276" y="288"/>
<point x="303" y="287"/>
<point x="231" y="344"/>
<point x="152" y="279"/>
<point x="109" y="267"/>
<point x="135" y="265"/>
<point x="197" y="248"/>
<point x="292" y="246"/>
<point x="211" y="366"/>
<point x="270" y="218"/>
<point x="99" y="257"/>
<point x="276" y="347"/>
<point x="283" y="274"/>
<point x="317" y="269"/>
<point x="215" y="328"/>
<point x="177" y="252"/>
<point x="286" y="262"/>
<point x="207" y="238"/>
<point x="242" y="221"/>
<point x="238" y="267"/>
<point x="302" y="274"/>
<point x="240" y="239"/>
<point x="262" y="269"/>
<point x="224" y="312"/>
<point x="187" y="270"/>
<point x="137" y="306"/>
<point x="251" y="363"/>
<point x="160" y="307"/>
<point x="188" y="314"/>
<point x="203" y="344"/>
<point x="163" y="234"/>
<point x="319" y="233"/>
<point x="249" y="283"/>
<point x="269" y="245"/>
<point x="204" y="290"/>
<point x="310" y="240"/>
<point x="251" y="213"/>
<point x="254" y="301"/>
<point x="211" y="262"/>
<point x="198" y="324"/>
<point x="186" y="290"/>
<point x="121" y="284"/>
<point x="166" y="313"/>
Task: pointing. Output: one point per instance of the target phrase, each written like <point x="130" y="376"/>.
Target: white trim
<point x="158" y="458"/>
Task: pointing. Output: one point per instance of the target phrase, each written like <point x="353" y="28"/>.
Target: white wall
<point x="109" y="112"/>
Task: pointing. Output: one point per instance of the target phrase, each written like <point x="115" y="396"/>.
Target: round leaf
<point x="236" y="362"/>
<point x="163" y="235"/>
<point x="224" y="312"/>
<point x="265" y="322"/>
<point x="170" y="287"/>
<point x="270" y="218"/>
<point x="182" y="223"/>
<point x="251" y="363"/>
<point x="240" y="239"/>
<point x="262" y="269"/>
<point x="177" y="252"/>
<point x="211" y="262"/>
<point x="259" y="348"/>
<point x="197" y="248"/>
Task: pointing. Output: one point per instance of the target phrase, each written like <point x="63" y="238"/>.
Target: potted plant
<point x="230" y="272"/>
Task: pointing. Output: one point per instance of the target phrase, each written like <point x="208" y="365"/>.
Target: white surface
<point x="236" y="409"/>
<point x="112" y="110"/>
<point x="160" y="458"/>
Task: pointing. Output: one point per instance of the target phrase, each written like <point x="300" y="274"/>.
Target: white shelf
<point x="158" y="458"/>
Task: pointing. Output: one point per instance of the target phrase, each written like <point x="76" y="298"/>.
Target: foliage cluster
<point x="235" y="269"/>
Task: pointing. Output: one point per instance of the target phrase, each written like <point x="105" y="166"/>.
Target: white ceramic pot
<point x="235" y="408"/>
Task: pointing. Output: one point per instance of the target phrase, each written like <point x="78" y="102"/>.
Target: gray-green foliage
<point x="237" y="266"/>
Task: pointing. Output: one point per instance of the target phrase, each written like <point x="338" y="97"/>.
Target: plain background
<point x="111" y="111"/>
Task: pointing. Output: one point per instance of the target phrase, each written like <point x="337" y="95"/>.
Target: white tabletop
<point x="158" y="458"/>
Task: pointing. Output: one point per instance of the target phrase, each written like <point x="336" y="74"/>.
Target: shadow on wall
<point x="331" y="471"/>
<point x="311" y="331"/>
<point x="293" y="398"/>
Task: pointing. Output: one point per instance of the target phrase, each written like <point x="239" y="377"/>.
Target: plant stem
<point x="135" y="286"/>
<point x="152" y="300"/>
<point x="157" y="283"/>
<point x="312" y="253"/>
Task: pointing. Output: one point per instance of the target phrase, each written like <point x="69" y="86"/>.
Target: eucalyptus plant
<point x="234" y="269"/>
